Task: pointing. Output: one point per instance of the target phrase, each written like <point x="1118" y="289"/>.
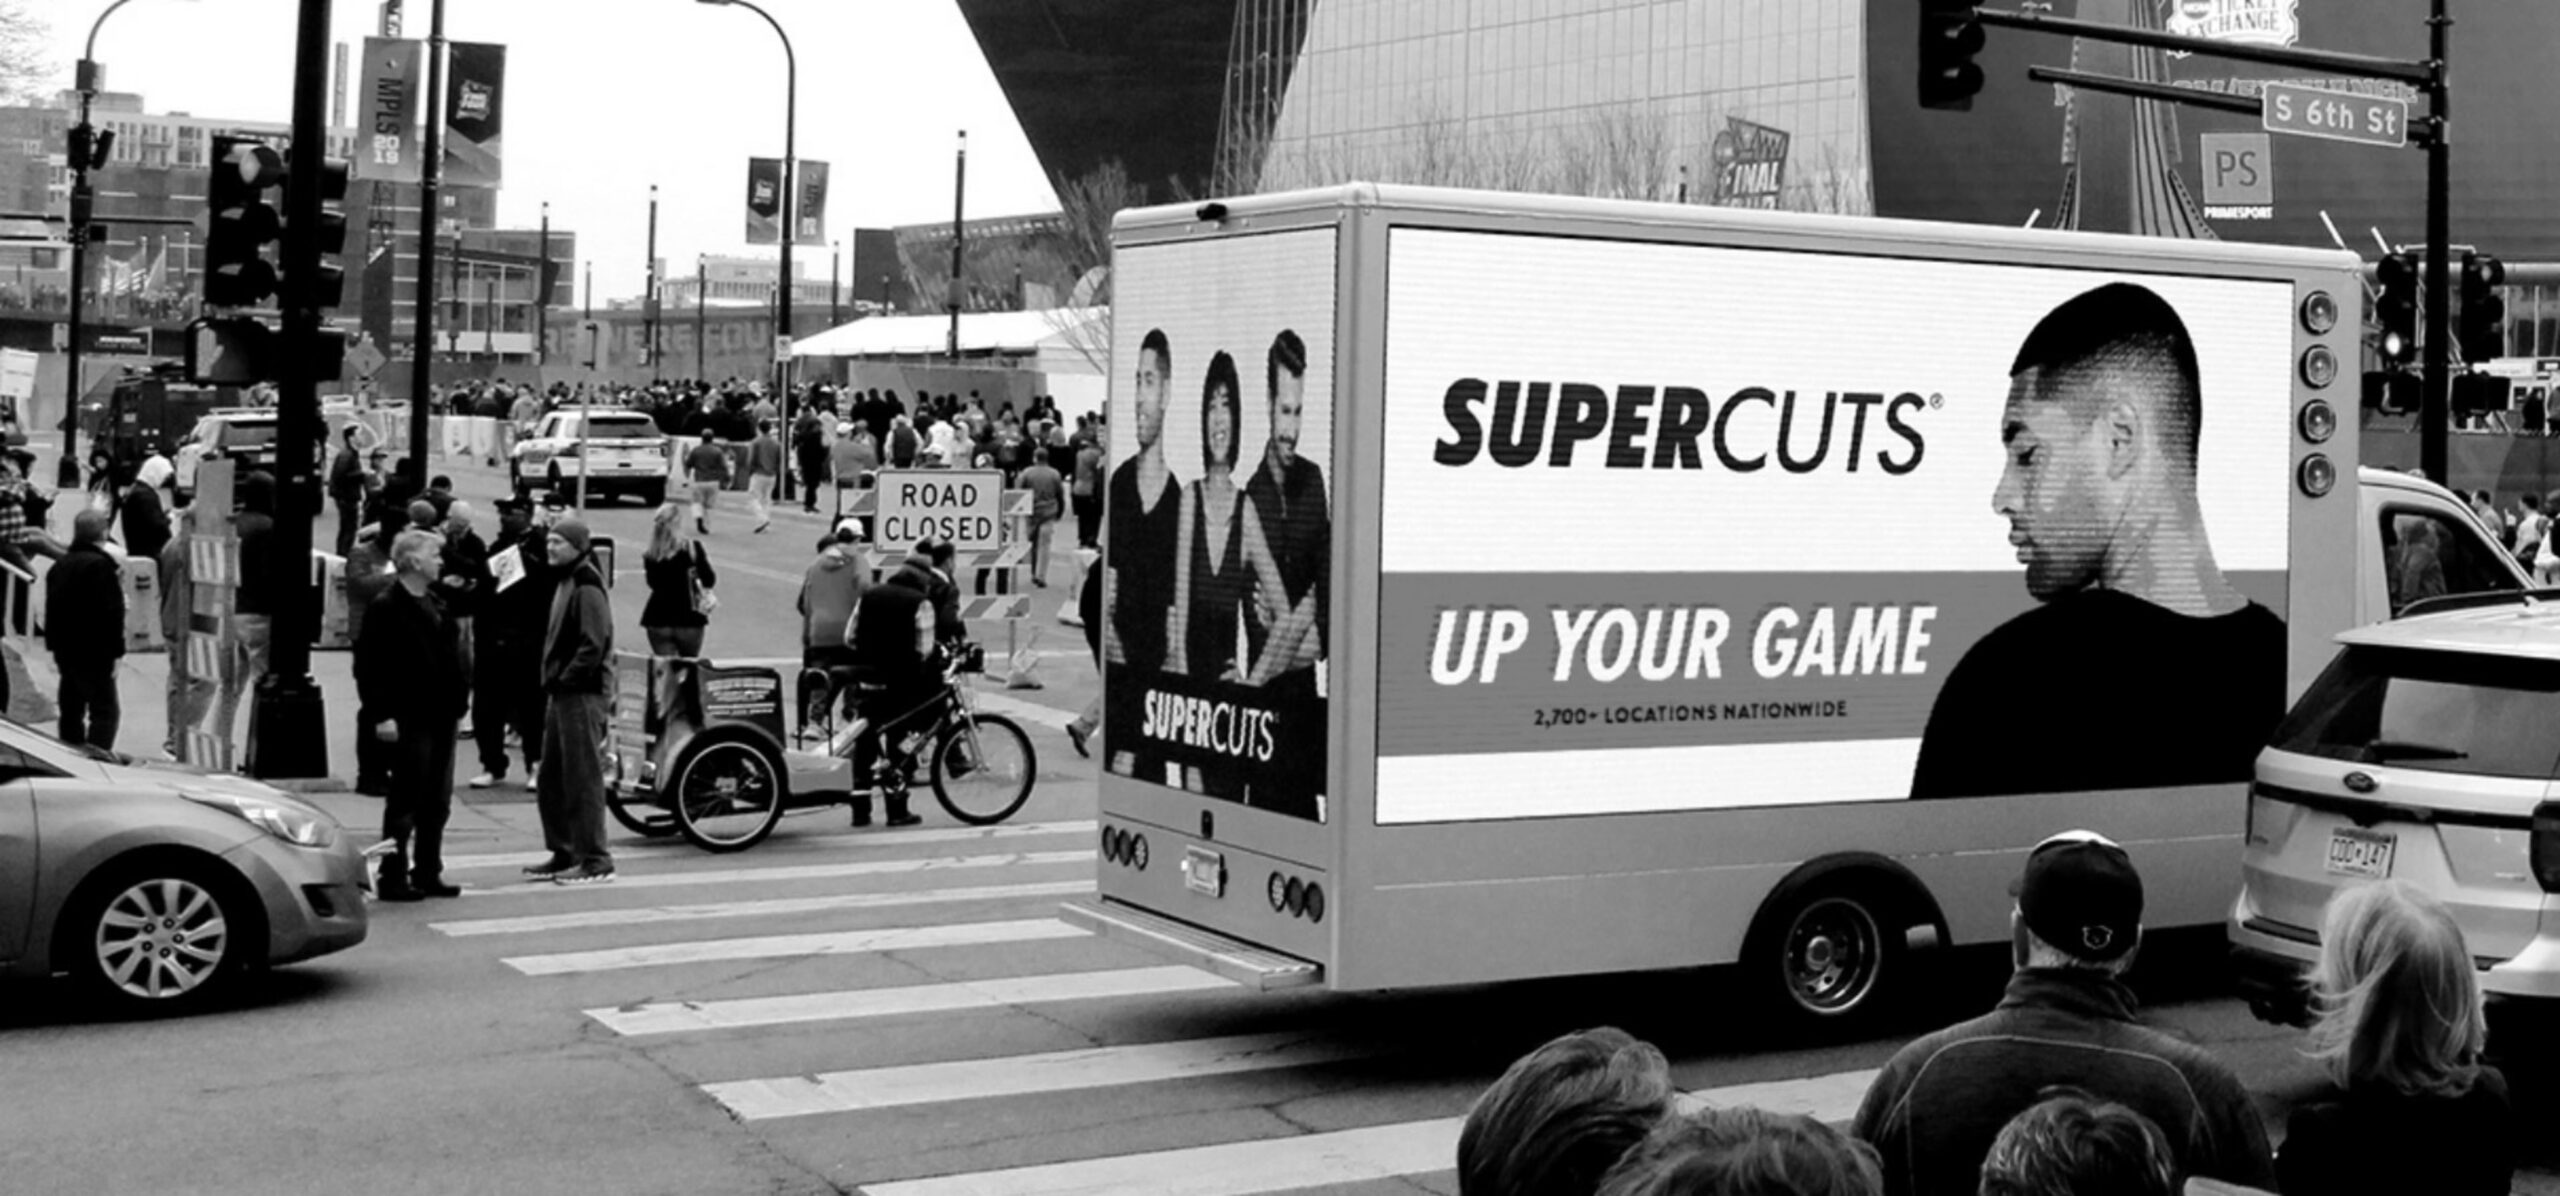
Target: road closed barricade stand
<point x="988" y="528"/>
<point x="329" y="577"/>
<point x="142" y="606"/>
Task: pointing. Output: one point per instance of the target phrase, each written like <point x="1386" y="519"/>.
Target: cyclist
<point x="896" y="635"/>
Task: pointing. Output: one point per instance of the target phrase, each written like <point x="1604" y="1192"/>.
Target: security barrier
<point x="142" y="606"/>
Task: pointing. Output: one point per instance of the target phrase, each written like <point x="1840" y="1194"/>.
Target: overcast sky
<point x="605" y="97"/>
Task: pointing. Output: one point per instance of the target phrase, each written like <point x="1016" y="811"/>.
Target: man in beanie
<point x="2067" y="1019"/>
<point x="577" y="679"/>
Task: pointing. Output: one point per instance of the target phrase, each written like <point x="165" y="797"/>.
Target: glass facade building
<point x="1757" y="103"/>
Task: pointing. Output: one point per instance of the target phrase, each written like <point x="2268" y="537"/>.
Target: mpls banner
<point x="472" y="107"/>
<point x="388" y="151"/>
<point x="810" y="216"/>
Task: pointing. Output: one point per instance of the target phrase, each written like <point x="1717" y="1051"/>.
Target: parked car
<point x="245" y="435"/>
<point x="612" y="449"/>
<point x="154" y="887"/>
<point x="2425" y="752"/>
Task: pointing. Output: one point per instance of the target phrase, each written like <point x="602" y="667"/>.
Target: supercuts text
<point x="1227" y="728"/>
<point x="1677" y="427"/>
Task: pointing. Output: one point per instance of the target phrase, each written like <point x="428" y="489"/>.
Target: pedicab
<point x="698" y="749"/>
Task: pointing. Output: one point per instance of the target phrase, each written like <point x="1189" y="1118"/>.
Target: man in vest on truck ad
<point x="1748" y="529"/>
<point x="1218" y="539"/>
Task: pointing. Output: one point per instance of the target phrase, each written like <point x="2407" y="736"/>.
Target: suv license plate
<point x="2354" y="852"/>
<point x="1204" y="871"/>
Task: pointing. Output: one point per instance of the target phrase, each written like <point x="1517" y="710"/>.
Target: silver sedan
<point x="156" y="887"/>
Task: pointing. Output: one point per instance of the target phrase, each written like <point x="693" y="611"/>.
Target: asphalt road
<point x="894" y="1012"/>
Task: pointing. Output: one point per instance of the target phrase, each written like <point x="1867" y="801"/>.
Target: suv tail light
<point x="2545" y="852"/>
<point x="571" y="449"/>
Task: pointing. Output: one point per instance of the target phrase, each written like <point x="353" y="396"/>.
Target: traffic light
<point x="329" y="285"/>
<point x="241" y="223"/>
<point x="2398" y="307"/>
<point x="87" y="148"/>
<point x="1949" y="38"/>
<point x="2484" y="314"/>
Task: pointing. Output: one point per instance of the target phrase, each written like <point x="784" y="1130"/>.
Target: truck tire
<point x="1829" y="953"/>
<point x="567" y="490"/>
<point x="652" y="494"/>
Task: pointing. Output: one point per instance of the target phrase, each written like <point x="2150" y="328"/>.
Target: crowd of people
<point x="2061" y="1090"/>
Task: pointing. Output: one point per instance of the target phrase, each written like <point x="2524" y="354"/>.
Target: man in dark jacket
<point x="84" y="628"/>
<point x="809" y="443"/>
<point x="146" y="521"/>
<point x="895" y="649"/>
<point x="508" y="629"/>
<point x="2068" y="1019"/>
<point x="409" y="677"/>
<point x="346" y="489"/>
<point x="577" y="681"/>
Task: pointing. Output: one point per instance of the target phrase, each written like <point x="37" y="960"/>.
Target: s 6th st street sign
<point x="2336" y="115"/>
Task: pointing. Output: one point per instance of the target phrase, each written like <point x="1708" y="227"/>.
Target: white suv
<point x="613" y="449"/>
<point x="2429" y="751"/>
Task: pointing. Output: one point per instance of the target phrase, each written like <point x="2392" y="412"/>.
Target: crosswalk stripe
<point x="850" y="942"/>
<point x="864" y="841"/>
<point x="1059" y="1071"/>
<point x="846" y="1005"/>
<point x="649" y="915"/>
<point x="1339" y="1157"/>
<point x="722" y="876"/>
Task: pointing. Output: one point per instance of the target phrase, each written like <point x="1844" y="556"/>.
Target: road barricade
<point x="142" y="606"/>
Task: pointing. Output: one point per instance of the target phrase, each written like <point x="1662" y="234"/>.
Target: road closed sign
<point x="964" y="506"/>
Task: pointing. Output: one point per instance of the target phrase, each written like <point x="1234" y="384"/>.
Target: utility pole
<point x="542" y="295"/>
<point x="959" y="240"/>
<point x="430" y="181"/>
<point x="835" y="284"/>
<point x="649" y="299"/>
<point x="701" y="283"/>
<point x="287" y="718"/>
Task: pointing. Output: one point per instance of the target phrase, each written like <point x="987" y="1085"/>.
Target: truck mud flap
<point x="1251" y="966"/>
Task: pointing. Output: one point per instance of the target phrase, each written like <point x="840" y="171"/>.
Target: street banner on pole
<point x="472" y="107"/>
<point x="389" y="151"/>
<point x="811" y="214"/>
<point x="764" y="201"/>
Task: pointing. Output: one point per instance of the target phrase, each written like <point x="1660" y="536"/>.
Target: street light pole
<point x="90" y="77"/>
<point x="649" y="299"/>
<point x="430" y="179"/>
<point x="542" y="301"/>
<point x="782" y="308"/>
<point x="700" y="284"/>
<point x="959" y="240"/>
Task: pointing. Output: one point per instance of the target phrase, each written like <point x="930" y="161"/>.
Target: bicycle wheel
<point x="727" y="794"/>
<point x="640" y="817"/>
<point x="983" y="769"/>
<point x="817" y="706"/>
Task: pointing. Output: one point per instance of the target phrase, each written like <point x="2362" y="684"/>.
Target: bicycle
<point x="981" y="765"/>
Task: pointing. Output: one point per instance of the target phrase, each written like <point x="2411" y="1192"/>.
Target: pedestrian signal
<point x="1949" y="38"/>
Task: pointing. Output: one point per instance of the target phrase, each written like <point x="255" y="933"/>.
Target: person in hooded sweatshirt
<point x="577" y="684"/>
<point x="829" y="590"/>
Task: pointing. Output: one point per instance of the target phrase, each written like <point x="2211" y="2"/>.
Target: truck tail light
<point x="2546" y="846"/>
<point x="571" y="449"/>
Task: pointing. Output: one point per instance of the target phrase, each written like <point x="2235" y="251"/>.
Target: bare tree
<point x="25" y="69"/>
<point x="1090" y="202"/>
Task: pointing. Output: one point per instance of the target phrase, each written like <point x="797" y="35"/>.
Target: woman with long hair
<point x="680" y="579"/>
<point x="1223" y="561"/>
<point x="2400" y="1030"/>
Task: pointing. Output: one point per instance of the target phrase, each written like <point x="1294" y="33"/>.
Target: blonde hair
<point x="667" y="537"/>
<point x="2398" y="1001"/>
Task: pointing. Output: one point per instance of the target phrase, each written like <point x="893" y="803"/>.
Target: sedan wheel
<point x="160" y="940"/>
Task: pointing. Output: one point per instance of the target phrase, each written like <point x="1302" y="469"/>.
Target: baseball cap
<point x="2080" y="894"/>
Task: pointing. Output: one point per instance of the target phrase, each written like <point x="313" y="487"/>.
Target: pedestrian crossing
<point x="826" y="991"/>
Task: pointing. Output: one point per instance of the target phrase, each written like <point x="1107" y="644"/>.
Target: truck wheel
<point x="1829" y="954"/>
<point x="652" y="494"/>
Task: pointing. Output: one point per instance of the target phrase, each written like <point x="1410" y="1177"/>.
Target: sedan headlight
<point x="292" y="822"/>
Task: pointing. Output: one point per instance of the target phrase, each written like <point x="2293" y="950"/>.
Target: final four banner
<point x="472" y="109"/>
<point x="387" y="145"/>
<point x="764" y="201"/>
<point x="810" y="217"/>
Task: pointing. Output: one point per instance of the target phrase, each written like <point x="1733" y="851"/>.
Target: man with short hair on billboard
<point x="1142" y="515"/>
<point x="1287" y="495"/>
<point x="2142" y="665"/>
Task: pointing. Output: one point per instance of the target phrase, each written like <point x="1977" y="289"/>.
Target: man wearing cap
<point x="508" y="629"/>
<point x="2067" y="1019"/>
<point x="346" y="489"/>
<point x="577" y="679"/>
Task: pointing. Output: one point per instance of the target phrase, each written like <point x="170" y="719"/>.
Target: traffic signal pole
<point x="1948" y="81"/>
<point x="2435" y="404"/>
<point x="288" y="720"/>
